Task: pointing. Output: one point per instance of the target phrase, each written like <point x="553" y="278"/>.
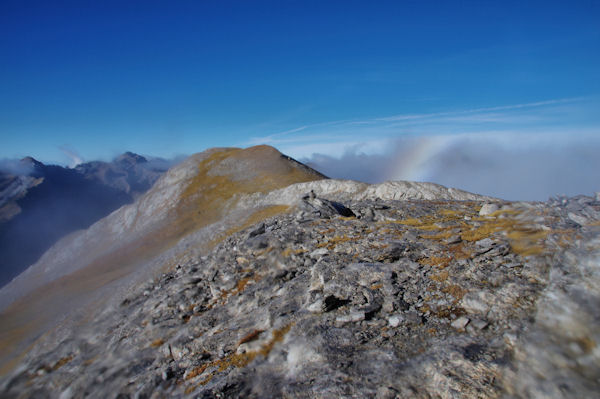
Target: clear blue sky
<point x="172" y="77"/>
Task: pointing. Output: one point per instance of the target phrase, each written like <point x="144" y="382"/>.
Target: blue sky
<point x="313" y="78"/>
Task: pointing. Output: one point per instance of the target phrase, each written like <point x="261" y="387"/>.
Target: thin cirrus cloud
<point x="526" y="151"/>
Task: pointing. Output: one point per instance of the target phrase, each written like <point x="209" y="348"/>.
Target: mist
<point x="15" y="167"/>
<point x="162" y="164"/>
<point x="35" y="212"/>
<point x="513" y="168"/>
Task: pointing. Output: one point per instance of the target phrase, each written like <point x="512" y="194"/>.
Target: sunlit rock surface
<point x="325" y="289"/>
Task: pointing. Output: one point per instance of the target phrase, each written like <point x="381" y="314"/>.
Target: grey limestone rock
<point x="415" y="298"/>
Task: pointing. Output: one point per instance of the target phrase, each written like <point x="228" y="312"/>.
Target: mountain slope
<point x="196" y="198"/>
<point x="246" y="274"/>
<point x="398" y="298"/>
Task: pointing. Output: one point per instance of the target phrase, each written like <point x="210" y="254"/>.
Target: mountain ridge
<point x="112" y="248"/>
<point x="244" y="273"/>
<point x="40" y="203"/>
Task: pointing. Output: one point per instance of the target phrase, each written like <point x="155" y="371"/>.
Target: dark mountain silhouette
<point x="47" y="202"/>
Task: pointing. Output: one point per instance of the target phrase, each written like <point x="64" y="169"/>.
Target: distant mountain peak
<point x="130" y="158"/>
<point x="28" y="160"/>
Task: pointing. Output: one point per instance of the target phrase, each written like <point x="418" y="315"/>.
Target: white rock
<point x="488" y="209"/>
<point x="319" y="252"/>
<point x="460" y="323"/>
<point x="477" y="302"/>
<point x="315" y="307"/>
<point x="351" y="317"/>
<point x="580" y="220"/>
<point x="395" y="320"/>
<point x="66" y="394"/>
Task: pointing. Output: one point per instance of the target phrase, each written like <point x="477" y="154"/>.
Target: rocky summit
<point x="329" y="289"/>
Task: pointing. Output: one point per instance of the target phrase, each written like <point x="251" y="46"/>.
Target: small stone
<point x="580" y="220"/>
<point x="460" y="323"/>
<point x="386" y="393"/>
<point x="478" y="324"/>
<point x="66" y="394"/>
<point x="485" y="243"/>
<point x="353" y="316"/>
<point x="192" y="280"/>
<point x="257" y="231"/>
<point x="510" y="338"/>
<point x="315" y="307"/>
<point x="455" y="239"/>
<point x="319" y="252"/>
<point x="241" y="260"/>
<point x="167" y="374"/>
<point x="413" y="317"/>
<point x="488" y="209"/>
<point x="395" y="320"/>
<point x="476" y="302"/>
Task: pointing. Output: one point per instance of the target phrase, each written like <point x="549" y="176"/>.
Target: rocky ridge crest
<point x="403" y="298"/>
<point x="298" y="288"/>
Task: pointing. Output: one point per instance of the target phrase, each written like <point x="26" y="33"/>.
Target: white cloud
<point x="485" y="164"/>
<point x="524" y="151"/>
<point x="72" y="155"/>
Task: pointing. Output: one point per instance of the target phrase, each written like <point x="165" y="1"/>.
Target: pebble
<point x="395" y="320"/>
<point x="476" y="302"/>
<point x="460" y="323"/>
<point x="351" y="317"/>
<point x="488" y="209"/>
<point x="319" y="253"/>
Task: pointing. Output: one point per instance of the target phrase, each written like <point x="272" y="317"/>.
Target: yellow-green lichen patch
<point x="437" y="261"/>
<point x="441" y="276"/>
<point x="237" y="360"/>
<point x="456" y="291"/>
<point x="61" y="362"/>
<point x="209" y="195"/>
<point x="236" y="290"/>
<point x="289" y="252"/>
<point x="334" y="241"/>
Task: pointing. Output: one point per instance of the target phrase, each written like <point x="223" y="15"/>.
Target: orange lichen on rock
<point x="438" y="261"/>
<point x="289" y="251"/>
<point x="456" y="291"/>
<point x="236" y="359"/>
<point x="62" y="362"/>
<point x="334" y="241"/>
<point x="440" y="277"/>
<point x="251" y="336"/>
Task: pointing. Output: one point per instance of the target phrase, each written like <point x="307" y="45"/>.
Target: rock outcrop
<point x="334" y="289"/>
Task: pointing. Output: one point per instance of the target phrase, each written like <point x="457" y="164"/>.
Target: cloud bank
<point x="524" y="151"/>
<point x="15" y="167"/>
<point x="535" y="170"/>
